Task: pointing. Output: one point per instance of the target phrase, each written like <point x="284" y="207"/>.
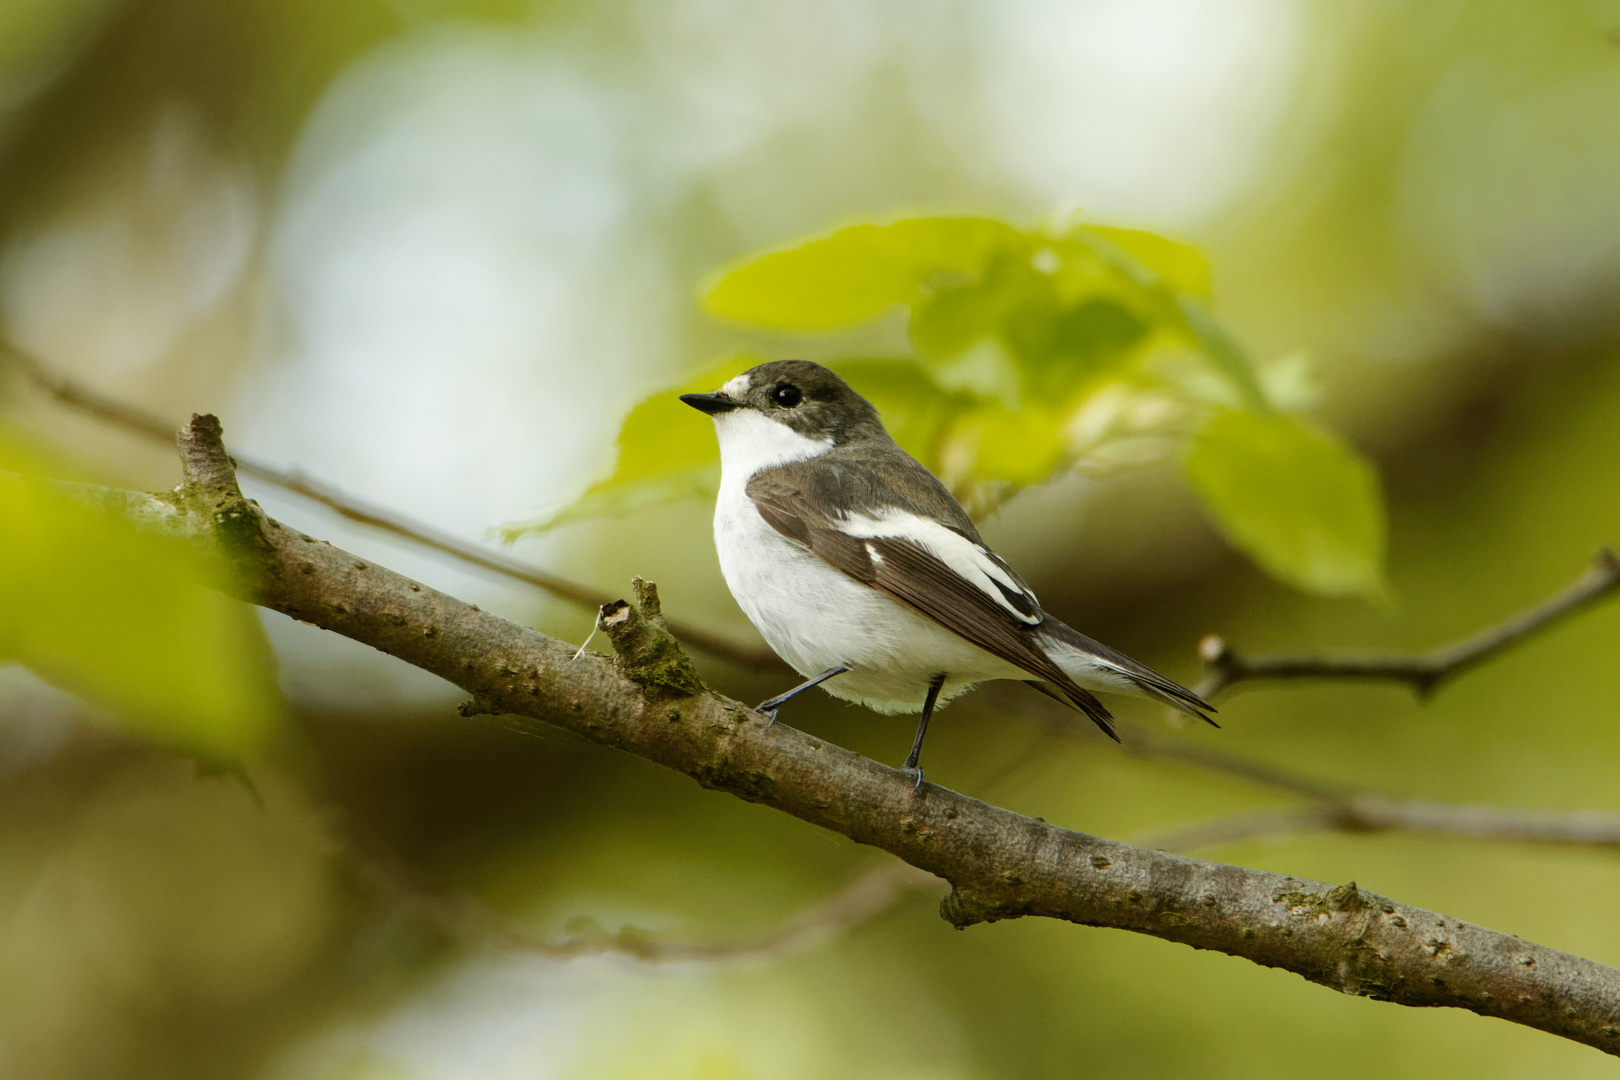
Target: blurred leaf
<point x="1059" y="314"/>
<point x="1016" y="332"/>
<point x="1181" y="277"/>
<point x="619" y="495"/>
<point x="916" y="409"/>
<point x="665" y="453"/>
<point x="1305" y="506"/>
<point x="1226" y="354"/>
<point x="33" y="33"/>
<point x="990" y="442"/>
<point x="855" y="274"/>
<point x="22" y="451"/>
<point x="1088" y="339"/>
<point x="1180" y="267"/>
<point x="947" y="322"/>
<point x="126" y="619"/>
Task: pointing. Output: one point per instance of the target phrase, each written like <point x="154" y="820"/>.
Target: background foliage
<point x="442" y="253"/>
<point x="1036" y="352"/>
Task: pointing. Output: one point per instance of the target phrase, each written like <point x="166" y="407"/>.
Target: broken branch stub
<point x="648" y="654"/>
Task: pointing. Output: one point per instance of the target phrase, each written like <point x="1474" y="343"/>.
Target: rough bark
<point x="648" y="700"/>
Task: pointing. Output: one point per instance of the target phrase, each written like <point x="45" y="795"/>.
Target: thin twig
<point x="1326" y="805"/>
<point x="1228" y="829"/>
<point x="1377" y="814"/>
<point x="465" y="917"/>
<point x="139" y="422"/>
<point x="1225" y="666"/>
<point x="1335" y="807"/>
<point x="1229" y="764"/>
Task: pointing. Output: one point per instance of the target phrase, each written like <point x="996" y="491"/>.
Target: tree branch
<point x="647" y="701"/>
<point x="1375" y="813"/>
<point x="138" y="422"/>
<point x="1225" y="666"/>
<point x="1337" y="807"/>
<point x="465" y="917"/>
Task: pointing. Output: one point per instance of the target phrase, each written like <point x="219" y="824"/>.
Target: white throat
<point x="750" y="442"/>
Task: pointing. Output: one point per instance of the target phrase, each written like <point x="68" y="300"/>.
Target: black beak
<point x="713" y="404"/>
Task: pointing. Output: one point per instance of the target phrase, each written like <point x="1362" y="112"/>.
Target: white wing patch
<point x="968" y="560"/>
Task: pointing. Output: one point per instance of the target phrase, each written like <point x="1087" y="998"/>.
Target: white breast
<point x="750" y="441"/>
<point x="812" y="615"/>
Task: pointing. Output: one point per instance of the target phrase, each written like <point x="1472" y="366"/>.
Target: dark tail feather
<point x="1082" y="700"/>
<point x="1189" y="704"/>
<point x="1147" y="680"/>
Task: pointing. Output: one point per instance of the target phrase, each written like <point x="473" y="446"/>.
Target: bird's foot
<point x="768" y="714"/>
<point x="908" y="770"/>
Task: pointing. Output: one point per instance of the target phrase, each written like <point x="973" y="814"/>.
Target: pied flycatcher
<point x="867" y="577"/>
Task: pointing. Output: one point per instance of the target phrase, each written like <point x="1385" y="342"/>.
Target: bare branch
<point x="1229" y="829"/>
<point x="1225" y="666"/>
<point x="1000" y="864"/>
<point x="1375" y="813"/>
<point x="465" y="917"/>
<point x="1211" y="760"/>
<point x="1335" y="807"/>
<point x="138" y="422"/>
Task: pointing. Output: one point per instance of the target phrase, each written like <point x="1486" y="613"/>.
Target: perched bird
<point x="867" y="577"/>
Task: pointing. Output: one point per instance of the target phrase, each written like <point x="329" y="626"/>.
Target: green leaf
<point x="857" y="273"/>
<point x="916" y="409"/>
<point x="618" y="496"/>
<point x="992" y="443"/>
<point x="666" y="452"/>
<point x="947" y="322"/>
<point x="1179" y="267"/>
<point x="1305" y="506"/>
<point x="1181" y="278"/>
<point x="1064" y="349"/>
<point x="1058" y="315"/>
<point x="1014" y="332"/>
<point x="1226" y="354"/>
<point x="127" y="620"/>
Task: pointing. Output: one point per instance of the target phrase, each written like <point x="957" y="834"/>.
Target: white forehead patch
<point x="737" y="388"/>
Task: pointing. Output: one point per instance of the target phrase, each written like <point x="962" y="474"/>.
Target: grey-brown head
<point x="803" y="396"/>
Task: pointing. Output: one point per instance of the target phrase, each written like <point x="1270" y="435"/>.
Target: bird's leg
<point x="934" y="686"/>
<point x="768" y="708"/>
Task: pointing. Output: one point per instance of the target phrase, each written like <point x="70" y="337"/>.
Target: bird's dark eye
<point x="787" y="395"/>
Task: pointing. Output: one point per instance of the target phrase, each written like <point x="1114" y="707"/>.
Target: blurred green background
<point x="432" y="252"/>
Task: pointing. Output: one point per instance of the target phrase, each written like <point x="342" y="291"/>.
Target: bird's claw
<point x="769" y="715"/>
<point x="914" y="769"/>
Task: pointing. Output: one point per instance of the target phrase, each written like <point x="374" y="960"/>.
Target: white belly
<point x="817" y="618"/>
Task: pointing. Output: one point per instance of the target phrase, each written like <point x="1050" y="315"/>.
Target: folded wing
<point x="943" y="573"/>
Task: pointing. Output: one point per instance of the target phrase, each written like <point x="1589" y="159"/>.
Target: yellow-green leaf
<point x="946" y="322"/>
<point x="915" y="408"/>
<point x="990" y="442"/>
<point x="857" y="273"/>
<point x="1306" y="507"/>
<point x="666" y="452"/>
<point x="1180" y="277"/>
<point x="1013" y="330"/>
<point x="127" y="620"/>
<point x="1181" y="267"/>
